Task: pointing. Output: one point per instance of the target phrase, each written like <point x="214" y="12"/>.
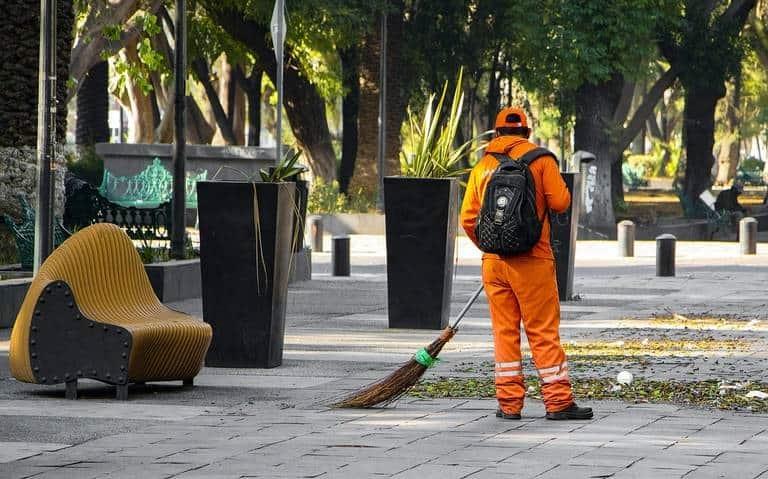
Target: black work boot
<point x="573" y="412"/>
<point x="504" y="415"/>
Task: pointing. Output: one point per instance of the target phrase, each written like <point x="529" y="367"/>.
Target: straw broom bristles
<point x="399" y="382"/>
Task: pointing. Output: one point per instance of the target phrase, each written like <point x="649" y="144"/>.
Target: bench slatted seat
<point x="91" y="313"/>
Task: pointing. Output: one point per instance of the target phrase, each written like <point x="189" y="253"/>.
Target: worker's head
<point x="512" y="122"/>
<point x="738" y="187"/>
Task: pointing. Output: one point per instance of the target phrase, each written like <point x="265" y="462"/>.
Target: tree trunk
<point x="593" y="132"/>
<point x="728" y="159"/>
<point x="251" y="85"/>
<point x="224" y="123"/>
<point x="93" y="106"/>
<point x="493" y="91"/>
<point x="350" y="66"/>
<point x="303" y="103"/>
<point x="638" y="146"/>
<point x="140" y="105"/>
<point x="399" y="86"/>
<point x="699" y="134"/>
<point x="232" y="100"/>
<point x="19" y="57"/>
<point x="617" y="182"/>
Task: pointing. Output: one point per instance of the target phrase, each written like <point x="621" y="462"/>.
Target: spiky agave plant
<point x="430" y="150"/>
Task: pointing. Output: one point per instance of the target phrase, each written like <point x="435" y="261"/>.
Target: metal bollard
<point x="316" y="232"/>
<point x="340" y="255"/>
<point x="626" y="237"/>
<point x="665" y="255"/>
<point x="748" y="235"/>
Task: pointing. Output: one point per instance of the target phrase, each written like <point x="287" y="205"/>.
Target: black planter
<point x="300" y="214"/>
<point x="175" y="280"/>
<point x="565" y="228"/>
<point x="421" y="222"/>
<point x="245" y="279"/>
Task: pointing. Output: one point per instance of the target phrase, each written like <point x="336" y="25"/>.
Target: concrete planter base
<point x="175" y="280"/>
<point x="301" y="266"/>
<point x="12" y="292"/>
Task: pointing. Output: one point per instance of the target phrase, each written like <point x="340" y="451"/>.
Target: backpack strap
<point x="527" y="158"/>
<point x="501" y="157"/>
<point x="535" y="154"/>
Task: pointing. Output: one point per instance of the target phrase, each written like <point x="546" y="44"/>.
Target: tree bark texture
<point x="232" y="99"/>
<point x="139" y="103"/>
<point x="699" y="134"/>
<point x="399" y="83"/>
<point x="19" y="60"/>
<point x="350" y="66"/>
<point x="594" y="131"/>
<point x="730" y="146"/>
<point x="251" y="85"/>
<point x="200" y="66"/>
<point x="93" y="107"/>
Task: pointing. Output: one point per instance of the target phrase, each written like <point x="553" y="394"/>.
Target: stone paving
<point x="276" y="423"/>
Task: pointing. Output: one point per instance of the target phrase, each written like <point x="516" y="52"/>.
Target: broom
<point x="399" y="382"/>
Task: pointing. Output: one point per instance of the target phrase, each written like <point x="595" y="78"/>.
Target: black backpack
<point x="508" y="223"/>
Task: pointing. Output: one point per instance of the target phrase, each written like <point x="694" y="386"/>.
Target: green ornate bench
<point x="86" y="206"/>
<point x="24" y="233"/>
<point x="148" y="189"/>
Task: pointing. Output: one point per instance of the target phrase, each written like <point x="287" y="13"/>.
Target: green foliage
<point x="150" y="60"/>
<point x="149" y="252"/>
<point x="633" y="175"/>
<point x="317" y="29"/>
<point x="750" y="171"/>
<point x="675" y="151"/>
<point x="562" y="44"/>
<point x="88" y="166"/>
<point x="325" y="198"/>
<point x="752" y="164"/>
<point x="705" y="46"/>
<point x="285" y="169"/>
<point x="430" y="151"/>
<point x="209" y="40"/>
<point x="754" y="97"/>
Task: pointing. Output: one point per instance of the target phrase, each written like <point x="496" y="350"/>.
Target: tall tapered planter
<point x="245" y="250"/>
<point x="421" y="222"/>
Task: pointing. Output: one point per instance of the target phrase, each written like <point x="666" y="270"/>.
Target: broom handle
<point x="466" y="307"/>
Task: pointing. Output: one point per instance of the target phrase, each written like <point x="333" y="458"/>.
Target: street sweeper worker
<point x="518" y="263"/>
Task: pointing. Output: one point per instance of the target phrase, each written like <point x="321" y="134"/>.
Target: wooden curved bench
<point x="91" y="313"/>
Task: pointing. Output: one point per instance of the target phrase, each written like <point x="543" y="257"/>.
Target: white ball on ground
<point x="625" y="377"/>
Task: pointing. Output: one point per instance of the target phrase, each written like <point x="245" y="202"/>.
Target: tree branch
<point x="653" y="128"/>
<point x="645" y="109"/>
<point x="91" y="43"/>
<point x="625" y="103"/>
<point x="738" y="10"/>
<point x="222" y="120"/>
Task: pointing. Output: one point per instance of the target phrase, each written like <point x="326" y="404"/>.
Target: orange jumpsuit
<point x="524" y="286"/>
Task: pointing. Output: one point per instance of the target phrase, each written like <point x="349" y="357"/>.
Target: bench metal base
<point x="65" y="345"/>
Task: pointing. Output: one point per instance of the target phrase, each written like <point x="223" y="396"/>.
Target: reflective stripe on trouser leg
<point x="535" y="286"/>
<point x="505" y="319"/>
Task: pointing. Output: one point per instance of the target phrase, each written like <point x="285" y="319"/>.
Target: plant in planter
<point x="421" y="209"/>
<point x="290" y="171"/>
<point x="246" y="243"/>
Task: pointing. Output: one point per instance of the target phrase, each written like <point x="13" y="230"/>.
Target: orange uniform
<point x="523" y="286"/>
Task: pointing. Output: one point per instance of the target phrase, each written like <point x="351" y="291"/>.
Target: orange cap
<point x="511" y="117"/>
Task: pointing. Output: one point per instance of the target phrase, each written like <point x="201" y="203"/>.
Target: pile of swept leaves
<point x="704" y="394"/>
